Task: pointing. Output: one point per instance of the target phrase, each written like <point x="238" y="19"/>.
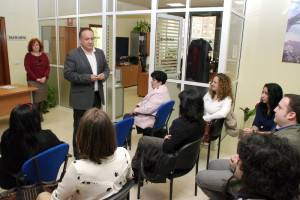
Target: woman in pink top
<point x="150" y="103"/>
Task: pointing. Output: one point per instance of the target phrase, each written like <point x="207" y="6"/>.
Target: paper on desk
<point x="8" y="87"/>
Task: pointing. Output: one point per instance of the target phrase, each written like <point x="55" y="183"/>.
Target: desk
<point x="10" y="98"/>
<point x="130" y="74"/>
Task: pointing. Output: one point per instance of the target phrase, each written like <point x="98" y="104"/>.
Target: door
<point x="4" y="64"/>
<point x="168" y="44"/>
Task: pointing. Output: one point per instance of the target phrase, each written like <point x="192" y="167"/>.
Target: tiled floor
<point x="60" y="121"/>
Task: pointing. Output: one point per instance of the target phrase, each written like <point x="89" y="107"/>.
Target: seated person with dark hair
<point x="287" y="116"/>
<point x="23" y="139"/>
<point x="150" y="103"/>
<point x="264" y="118"/>
<point x="268" y="167"/>
<point x="103" y="168"/>
<point x="188" y="128"/>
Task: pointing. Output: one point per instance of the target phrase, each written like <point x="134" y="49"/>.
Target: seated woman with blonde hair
<point x="103" y="168"/>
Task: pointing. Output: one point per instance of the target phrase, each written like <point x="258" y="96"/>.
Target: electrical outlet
<point x="17" y="62"/>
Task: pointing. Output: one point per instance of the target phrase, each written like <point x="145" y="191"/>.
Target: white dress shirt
<point x="93" y="62"/>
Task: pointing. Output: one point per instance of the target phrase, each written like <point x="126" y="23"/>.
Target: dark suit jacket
<point x="182" y="133"/>
<point x="77" y="70"/>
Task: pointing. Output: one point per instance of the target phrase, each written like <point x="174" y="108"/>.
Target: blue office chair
<point x="161" y="118"/>
<point x="46" y="165"/>
<point x="123" y="132"/>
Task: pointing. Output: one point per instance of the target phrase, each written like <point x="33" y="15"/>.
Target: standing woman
<point x="264" y="118"/>
<point x="218" y="100"/>
<point x="37" y="67"/>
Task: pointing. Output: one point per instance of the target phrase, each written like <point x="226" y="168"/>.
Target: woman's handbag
<point x="28" y="192"/>
<point x="207" y="132"/>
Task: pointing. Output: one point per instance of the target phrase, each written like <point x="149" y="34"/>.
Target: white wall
<point x="262" y="48"/>
<point x="20" y="19"/>
<point x="126" y="23"/>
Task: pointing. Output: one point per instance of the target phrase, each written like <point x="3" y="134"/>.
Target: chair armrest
<point x="64" y="167"/>
<point x="150" y="115"/>
<point x="20" y="180"/>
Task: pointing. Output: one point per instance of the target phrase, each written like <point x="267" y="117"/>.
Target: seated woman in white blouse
<point x="218" y="100"/>
<point x="103" y="168"/>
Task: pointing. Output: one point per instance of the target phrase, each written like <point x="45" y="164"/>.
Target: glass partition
<point x="95" y="23"/>
<point x="109" y="100"/>
<point x="168" y="46"/>
<point x="210" y="3"/>
<point x="90" y="6"/>
<point x="46" y="8"/>
<point x="109" y="42"/>
<point x="65" y="87"/>
<point x="53" y="81"/>
<point x="174" y="90"/>
<point x="67" y="37"/>
<point x="239" y="5"/>
<point x="66" y="7"/>
<point x="48" y="38"/>
<point x="203" y="46"/>
<point x="234" y="46"/>
<point x="200" y="55"/>
<point x="201" y="90"/>
<point x="109" y="6"/>
<point x="127" y="5"/>
<point x="167" y="4"/>
<point x="131" y="46"/>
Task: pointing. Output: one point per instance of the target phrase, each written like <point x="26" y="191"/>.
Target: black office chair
<point x="124" y="193"/>
<point x="215" y="133"/>
<point x="180" y="163"/>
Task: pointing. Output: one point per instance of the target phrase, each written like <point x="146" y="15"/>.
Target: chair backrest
<point x="162" y="114"/>
<point x="187" y="155"/>
<point x="123" y="192"/>
<point x="216" y="127"/>
<point x="48" y="161"/>
<point x="123" y="129"/>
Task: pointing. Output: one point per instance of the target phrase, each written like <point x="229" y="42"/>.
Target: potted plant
<point x="141" y="27"/>
<point x="51" y="99"/>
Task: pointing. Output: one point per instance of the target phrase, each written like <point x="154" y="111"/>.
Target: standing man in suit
<point x="86" y="68"/>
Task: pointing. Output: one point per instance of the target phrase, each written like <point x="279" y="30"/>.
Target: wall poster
<point x="291" y="51"/>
